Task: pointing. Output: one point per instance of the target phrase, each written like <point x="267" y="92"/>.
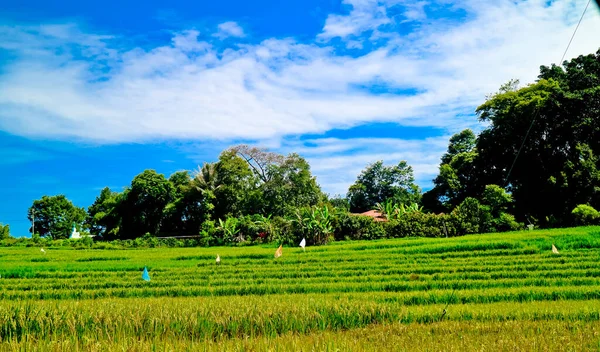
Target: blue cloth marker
<point x="145" y="275"/>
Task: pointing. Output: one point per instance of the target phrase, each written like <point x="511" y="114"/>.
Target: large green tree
<point x="103" y="217"/>
<point x="144" y="204"/>
<point x="55" y="216"/>
<point x="378" y="183"/>
<point x="4" y="232"/>
<point x="290" y="186"/>
<point x="236" y="187"/>
<point x="557" y="166"/>
<point x="276" y="183"/>
<point x="456" y="178"/>
<point x="190" y="206"/>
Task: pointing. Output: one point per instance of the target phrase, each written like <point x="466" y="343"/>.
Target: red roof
<point x="377" y="216"/>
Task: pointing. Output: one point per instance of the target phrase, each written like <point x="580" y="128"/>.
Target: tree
<point x="557" y="166"/>
<point x="462" y="142"/>
<point x="54" y="216"/>
<point x="143" y="206"/>
<point x="103" y="218"/>
<point x="4" y="232"/>
<point x="277" y="183"/>
<point x="259" y="159"/>
<point x="191" y="204"/>
<point x="456" y="179"/>
<point x="290" y="186"/>
<point x="378" y="183"/>
<point x="237" y="192"/>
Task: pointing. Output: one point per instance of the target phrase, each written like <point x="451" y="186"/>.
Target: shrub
<point x="506" y="222"/>
<point x="207" y="233"/>
<point x="283" y="230"/>
<point x="4" y="232"/>
<point x="356" y="227"/>
<point x="496" y="198"/>
<point x="420" y="225"/>
<point x="584" y="214"/>
<point x="471" y="217"/>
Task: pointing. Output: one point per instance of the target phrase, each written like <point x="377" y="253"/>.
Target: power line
<point x="537" y="113"/>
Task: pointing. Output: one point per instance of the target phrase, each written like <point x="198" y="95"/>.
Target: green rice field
<point x="499" y="292"/>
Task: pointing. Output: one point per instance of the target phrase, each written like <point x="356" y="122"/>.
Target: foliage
<point x="315" y="224"/>
<point x="4" y="232"/>
<point x="378" y="183"/>
<point x="417" y="224"/>
<point x="290" y="186"/>
<point x="456" y="179"/>
<point x="229" y="232"/>
<point x="144" y="204"/>
<point x="557" y="167"/>
<point x="505" y="222"/>
<point x="356" y="227"/>
<point x="471" y="217"/>
<point x="55" y="216"/>
<point x="102" y="216"/>
<point x="394" y="211"/>
<point x="585" y="215"/>
<point x="497" y="199"/>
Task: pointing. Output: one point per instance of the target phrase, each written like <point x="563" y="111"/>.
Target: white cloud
<point x="65" y="83"/>
<point x="337" y="162"/>
<point x="229" y="29"/>
<point x="364" y="15"/>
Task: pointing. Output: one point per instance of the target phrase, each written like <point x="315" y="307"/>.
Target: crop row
<point x="248" y="317"/>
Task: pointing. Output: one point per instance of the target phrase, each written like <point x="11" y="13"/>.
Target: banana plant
<point x="317" y="222"/>
<point x="389" y="209"/>
<point x="413" y="208"/>
<point x="230" y="230"/>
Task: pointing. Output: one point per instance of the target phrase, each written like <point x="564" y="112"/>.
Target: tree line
<point x="252" y="194"/>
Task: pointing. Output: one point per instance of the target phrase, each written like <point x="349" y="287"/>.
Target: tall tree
<point x="290" y="186"/>
<point x="259" y="159"/>
<point x="279" y="182"/>
<point x="4" y="232"/>
<point x="237" y="192"/>
<point x="455" y="180"/>
<point x="55" y="216"/>
<point x="377" y="183"/>
<point x="143" y="207"/>
<point x="187" y="211"/>
<point x="557" y="166"/>
<point x="103" y="217"/>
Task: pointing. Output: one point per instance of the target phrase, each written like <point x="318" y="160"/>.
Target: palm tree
<point x="205" y="178"/>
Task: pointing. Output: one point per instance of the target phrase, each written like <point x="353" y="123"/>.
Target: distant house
<point x="377" y="216"/>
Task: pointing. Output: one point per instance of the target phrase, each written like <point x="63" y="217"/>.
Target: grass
<point x="506" y="292"/>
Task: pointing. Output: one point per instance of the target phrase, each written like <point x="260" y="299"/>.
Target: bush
<point x="420" y="225"/>
<point x="356" y="227"/>
<point x="506" y="222"/>
<point x="207" y="233"/>
<point x="497" y="199"/>
<point x="4" y="232"/>
<point x="584" y="214"/>
<point x="471" y="217"/>
<point x="283" y="231"/>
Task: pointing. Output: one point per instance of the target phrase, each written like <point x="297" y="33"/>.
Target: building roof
<point x="377" y="216"/>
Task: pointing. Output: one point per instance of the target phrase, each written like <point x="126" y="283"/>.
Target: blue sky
<point x="93" y="93"/>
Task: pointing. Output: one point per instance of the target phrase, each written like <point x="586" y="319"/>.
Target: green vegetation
<point x="505" y="290"/>
<point x="254" y="196"/>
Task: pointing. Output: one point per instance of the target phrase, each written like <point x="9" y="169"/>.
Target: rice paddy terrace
<point x="501" y="291"/>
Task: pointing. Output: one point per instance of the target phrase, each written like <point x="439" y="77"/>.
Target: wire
<point x="537" y="113"/>
<point x="574" y="32"/>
